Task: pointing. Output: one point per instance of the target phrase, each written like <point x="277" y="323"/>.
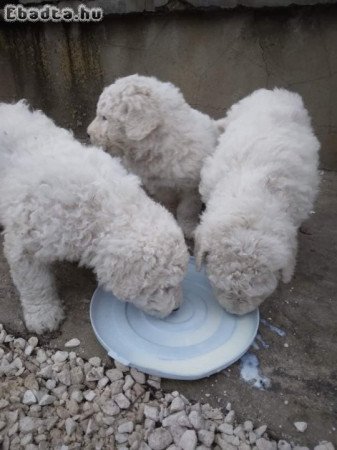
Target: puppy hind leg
<point x="41" y="306"/>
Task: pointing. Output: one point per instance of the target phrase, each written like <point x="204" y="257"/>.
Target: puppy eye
<point x="104" y="118"/>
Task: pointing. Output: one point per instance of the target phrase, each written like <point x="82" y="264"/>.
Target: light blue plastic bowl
<point x="197" y="340"/>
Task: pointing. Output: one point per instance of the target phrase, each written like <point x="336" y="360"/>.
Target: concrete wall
<point x="214" y="58"/>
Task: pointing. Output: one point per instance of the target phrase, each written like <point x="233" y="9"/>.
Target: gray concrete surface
<point x="214" y="58"/>
<point x="304" y="374"/>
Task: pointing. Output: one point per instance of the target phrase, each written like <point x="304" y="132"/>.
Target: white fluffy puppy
<point x="159" y="137"/>
<point x="60" y="200"/>
<point x="258" y="187"/>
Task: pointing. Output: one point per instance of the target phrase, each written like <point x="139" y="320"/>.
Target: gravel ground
<point x="56" y="400"/>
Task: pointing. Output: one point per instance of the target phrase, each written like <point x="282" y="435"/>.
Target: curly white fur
<point x="258" y="187"/>
<point x="60" y="200"/>
<point x="159" y="137"/>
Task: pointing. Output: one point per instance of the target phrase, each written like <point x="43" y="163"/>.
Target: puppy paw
<point x="45" y="319"/>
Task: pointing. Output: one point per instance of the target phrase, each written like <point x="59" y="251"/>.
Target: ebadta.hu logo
<point x="50" y="13"/>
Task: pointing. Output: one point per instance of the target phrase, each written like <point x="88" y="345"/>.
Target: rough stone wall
<point x="215" y="58"/>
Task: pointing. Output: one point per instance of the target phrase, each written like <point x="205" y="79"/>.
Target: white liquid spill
<point x="273" y="328"/>
<point x="249" y="372"/>
<point x="261" y="341"/>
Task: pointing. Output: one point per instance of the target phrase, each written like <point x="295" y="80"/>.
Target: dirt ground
<point x="302" y="365"/>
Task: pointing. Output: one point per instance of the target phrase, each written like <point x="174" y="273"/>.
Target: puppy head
<point x="147" y="268"/>
<point x="127" y="112"/>
<point x="243" y="267"/>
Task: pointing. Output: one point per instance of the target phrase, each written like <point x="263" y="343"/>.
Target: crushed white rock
<point x="301" y="426"/>
<point x="56" y="400"/>
<point x="72" y="343"/>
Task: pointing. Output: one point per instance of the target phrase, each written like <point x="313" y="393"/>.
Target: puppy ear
<point x="141" y="115"/>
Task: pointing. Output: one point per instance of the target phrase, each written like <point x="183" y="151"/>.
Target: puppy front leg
<point x="288" y="271"/>
<point x="42" y="309"/>
<point x="188" y="212"/>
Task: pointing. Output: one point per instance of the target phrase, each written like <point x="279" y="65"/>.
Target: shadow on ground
<point x="303" y="372"/>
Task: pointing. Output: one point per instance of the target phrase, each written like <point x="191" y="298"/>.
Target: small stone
<point x="261" y="430"/>
<point x="26" y="439"/>
<point x="263" y="444"/>
<point x="121" y="366"/>
<point x="33" y="341"/>
<point x="114" y="374"/>
<point x="29" y="398"/>
<point x="46" y="372"/>
<point x="47" y="400"/>
<point x="91" y="427"/>
<point x="72" y="343"/>
<point x="64" y="377"/>
<point x="232" y="440"/>
<point x="19" y="343"/>
<point x="188" y="440"/>
<point x="122" y="401"/>
<point x="301" y="426"/>
<point x="324" y="445"/>
<point x="12" y="416"/>
<point x="129" y="382"/>
<point x="103" y="382"/>
<point x="50" y="384"/>
<point x="206" y="437"/>
<point x="3" y="403"/>
<point x="29" y="350"/>
<point x="110" y="408"/>
<point x="95" y="361"/>
<point x="13" y="429"/>
<point x="154" y="383"/>
<point x="226" y="428"/>
<point x="2" y="425"/>
<point x="230" y="417"/>
<point x="160" y="439"/>
<point x="151" y="412"/>
<point x="248" y="425"/>
<point x="252" y="437"/>
<point x="116" y="387"/>
<point x="72" y="407"/>
<point x="41" y="356"/>
<point x="177" y="405"/>
<point x="196" y="419"/>
<point x="283" y="445"/>
<point x="29" y="424"/>
<point x="70" y="425"/>
<point x="76" y="375"/>
<point x="89" y="395"/>
<point x="60" y="356"/>
<point x="95" y="374"/>
<point x="139" y="377"/>
<point x="126" y="427"/>
<point x="59" y="391"/>
<point x="244" y="446"/>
